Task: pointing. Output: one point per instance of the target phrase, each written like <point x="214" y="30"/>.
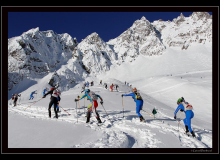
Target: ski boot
<point x="187" y="130"/>
<point x="193" y="134"/>
<point x="49" y="113"/>
<point x="142" y="119"/>
<point x="99" y="120"/>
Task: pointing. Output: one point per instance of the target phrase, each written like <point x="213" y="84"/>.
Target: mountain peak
<point x="143" y="18"/>
<point x="200" y="15"/>
<point x="93" y="37"/>
<point x="32" y="31"/>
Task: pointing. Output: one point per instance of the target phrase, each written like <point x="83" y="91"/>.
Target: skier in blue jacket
<point x="45" y="90"/>
<point x="185" y="107"/>
<point x="139" y="102"/>
<point x="31" y="95"/>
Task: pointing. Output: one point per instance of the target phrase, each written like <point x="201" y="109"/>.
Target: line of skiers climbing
<point x="55" y="93"/>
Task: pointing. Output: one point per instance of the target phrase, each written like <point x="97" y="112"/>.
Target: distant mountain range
<point x="36" y="53"/>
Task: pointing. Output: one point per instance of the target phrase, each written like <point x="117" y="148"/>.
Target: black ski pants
<point x="53" y="100"/>
<point x="15" y="101"/>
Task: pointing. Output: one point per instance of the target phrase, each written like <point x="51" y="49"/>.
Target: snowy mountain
<point x="183" y="31"/>
<point x="36" y="53"/>
<point x="140" y="38"/>
<point x="94" y="54"/>
<point x="149" y="56"/>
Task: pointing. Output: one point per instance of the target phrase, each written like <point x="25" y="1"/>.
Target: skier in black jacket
<point x="53" y="100"/>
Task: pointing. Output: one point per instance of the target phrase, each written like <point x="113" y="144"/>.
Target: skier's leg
<point x="55" y="106"/>
<point x="185" y="122"/>
<point x="95" y="106"/>
<point x="49" y="108"/>
<point x="189" y="116"/>
<point x="138" y="107"/>
<point x="88" y="114"/>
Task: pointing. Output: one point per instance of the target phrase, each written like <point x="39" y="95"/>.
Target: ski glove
<point x="174" y="117"/>
<point x="122" y="95"/>
<point x="101" y="102"/>
<point x="43" y="96"/>
<point x="76" y="100"/>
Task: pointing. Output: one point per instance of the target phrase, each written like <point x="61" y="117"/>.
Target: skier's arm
<point x="50" y="92"/>
<point x="178" y="108"/>
<point x="100" y="98"/>
<point x="83" y="96"/>
<point x="131" y="94"/>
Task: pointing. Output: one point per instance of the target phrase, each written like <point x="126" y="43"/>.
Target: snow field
<point x="116" y="131"/>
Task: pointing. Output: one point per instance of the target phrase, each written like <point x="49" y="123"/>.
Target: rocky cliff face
<point x="140" y="38"/>
<point x="94" y="55"/>
<point x="36" y="53"/>
<point x="184" y="31"/>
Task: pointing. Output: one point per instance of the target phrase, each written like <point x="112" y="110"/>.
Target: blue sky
<point x="108" y="25"/>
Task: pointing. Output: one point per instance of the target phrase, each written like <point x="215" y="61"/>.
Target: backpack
<point x="138" y="96"/>
<point x="187" y="106"/>
<point x="93" y="95"/>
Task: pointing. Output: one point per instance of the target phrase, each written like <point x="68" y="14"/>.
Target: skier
<point x="93" y="105"/>
<point x="139" y="102"/>
<point x="83" y="88"/>
<point x="112" y="87"/>
<point x="45" y="90"/>
<point x="106" y="86"/>
<point x="31" y="95"/>
<point x="53" y="100"/>
<point x="116" y="86"/>
<point x="16" y="98"/>
<point x="100" y="82"/>
<point x="185" y="107"/>
<point x="87" y="84"/>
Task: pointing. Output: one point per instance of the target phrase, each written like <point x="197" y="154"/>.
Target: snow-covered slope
<point x="71" y="131"/>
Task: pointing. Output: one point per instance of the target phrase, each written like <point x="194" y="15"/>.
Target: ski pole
<point x="105" y="111"/>
<point x="79" y="106"/>
<point x="148" y="113"/>
<point x="33" y="103"/>
<point x="65" y="111"/>
<point x="84" y="106"/>
<point x="180" y="125"/>
<point x="76" y="113"/>
<point x="123" y="107"/>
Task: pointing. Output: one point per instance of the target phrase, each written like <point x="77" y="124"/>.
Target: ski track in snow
<point x="127" y="132"/>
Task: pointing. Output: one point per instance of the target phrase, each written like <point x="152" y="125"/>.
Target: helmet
<point x="179" y="100"/>
<point x="52" y="88"/>
<point x="87" y="90"/>
<point x="134" y="90"/>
